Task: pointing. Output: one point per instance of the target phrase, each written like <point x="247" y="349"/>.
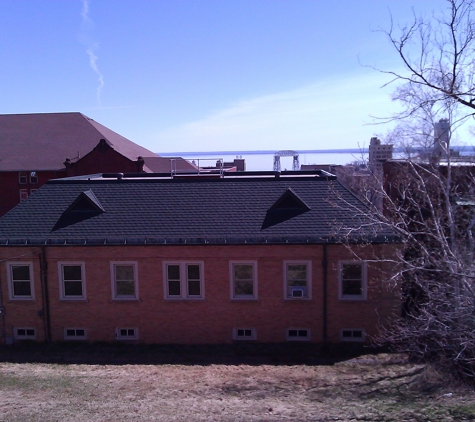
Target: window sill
<point x="240" y="299"/>
<point x="297" y="299"/>
<point x="22" y="299"/>
<point x="183" y="299"/>
<point x="124" y="299"/>
<point x="352" y="299"/>
<point x="73" y="299"/>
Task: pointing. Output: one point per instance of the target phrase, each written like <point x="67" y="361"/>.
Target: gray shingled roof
<point x="43" y="141"/>
<point x="190" y="210"/>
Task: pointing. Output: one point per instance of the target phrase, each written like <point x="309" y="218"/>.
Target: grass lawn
<point x="173" y="384"/>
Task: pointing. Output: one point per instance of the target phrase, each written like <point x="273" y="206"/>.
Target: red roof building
<point x="38" y="147"/>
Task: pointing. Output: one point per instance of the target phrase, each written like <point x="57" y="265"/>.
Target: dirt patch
<point x="368" y="388"/>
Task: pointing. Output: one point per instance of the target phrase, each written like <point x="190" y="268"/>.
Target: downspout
<point x="2" y="313"/>
<point x="45" y="293"/>
<point x="325" y="288"/>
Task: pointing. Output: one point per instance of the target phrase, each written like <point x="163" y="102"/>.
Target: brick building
<point x="266" y="257"/>
<point x="37" y="147"/>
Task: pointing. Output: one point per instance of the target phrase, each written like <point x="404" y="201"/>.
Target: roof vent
<point x="288" y="206"/>
<point x="85" y="206"/>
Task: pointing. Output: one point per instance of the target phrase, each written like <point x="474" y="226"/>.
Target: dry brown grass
<point x="368" y="388"/>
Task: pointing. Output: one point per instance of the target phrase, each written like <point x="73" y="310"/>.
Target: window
<point x="126" y="333"/>
<point x="183" y="280"/>
<point x="244" y="334"/>
<point x="75" y="334"/>
<point x="243" y="279"/>
<point x="297" y="276"/>
<point x="352" y="280"/>
<point x="23" y="194"/>
<point x="351" y="334"/>
<point x="124" y="281"/>
<point x="71" y="280"/>
<point x="20" y="281"/>
<point x="33" y="178"/>
<point x="24" y="334"/>
<point x="22" y="178"/>
<point x="297" y="334"/>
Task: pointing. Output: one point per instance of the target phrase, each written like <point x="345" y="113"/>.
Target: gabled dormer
<point x="287" y="206"/>
<point x="85" y="206"/>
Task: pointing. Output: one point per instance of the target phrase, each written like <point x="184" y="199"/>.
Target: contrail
<point x="86" y="31"/>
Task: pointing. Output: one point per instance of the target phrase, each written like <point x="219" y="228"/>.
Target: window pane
<point x="194" y="288"/>
<point x="173" y="272"/>
<point x="174" y="288"/>
<point x="21" y="288"/>
<point x="72" y="272"/>
<point x="20" y="272"/>
<point x="72" y="288"/>
<point x="193" y="272"/>
<point x="351" y="271"/>
<point x="124" y="272"/>
<point x="297" y="272"/>
<point x="125" y="288"/>
<point x="243" y="288"/>
<point x="352" y="287"/>
<point x="243" y="272"/>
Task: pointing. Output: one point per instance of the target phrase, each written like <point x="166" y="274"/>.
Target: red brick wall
<point x="200" y="321"/>
<point x="10" y="186"/>
<point x="103" y="160"/>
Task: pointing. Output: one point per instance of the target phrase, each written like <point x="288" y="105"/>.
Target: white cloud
<point x="327" y="114"/>
<point x="85" y="37"/>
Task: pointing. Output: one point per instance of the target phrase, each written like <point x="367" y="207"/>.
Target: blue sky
<point x="194" y="75"/>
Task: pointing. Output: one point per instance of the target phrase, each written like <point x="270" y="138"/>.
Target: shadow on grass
<point x="135" y="354"/>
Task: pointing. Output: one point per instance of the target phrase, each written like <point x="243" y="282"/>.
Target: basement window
<point x="244" y="334"/>
<point x="352" y="334"/>
<point x="24" y="333"/>
<point x="126" y="333"/>
<point x="297" y="334"/>
<point x="75" y="334"/>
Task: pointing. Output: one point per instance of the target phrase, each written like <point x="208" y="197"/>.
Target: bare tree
<point x="437" y="54"/>
<point x="429" y="200"/>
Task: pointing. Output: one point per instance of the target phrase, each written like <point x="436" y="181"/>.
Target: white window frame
<point x="308" y="295"/>
<point x="16" y="336"/>
<point x="22" y="178"/>
<point x="113" y="266"/>
<point x="23" y="194"/>
<point x="352" y="338"/>
<point x="120" y="337"/>
<point x="249" y="334"/>
<point x="184" y="295"/>
<point x="364" y="281"/>
<point x="11" y="291"/>
<point x="61" y="265"/>
<point x="298" y="337"/>
<point x="33" y="177"/>
<point x="74" y="337"/>
<point x="234" y="296"/>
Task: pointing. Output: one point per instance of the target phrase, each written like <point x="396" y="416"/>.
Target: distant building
<point x="41" y="146"/>
<point x="441" y="138"/>
<point x="378" y="154"/>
